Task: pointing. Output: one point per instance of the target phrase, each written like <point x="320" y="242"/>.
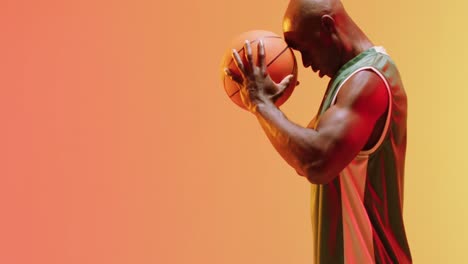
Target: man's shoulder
<point x="364" y="90"/>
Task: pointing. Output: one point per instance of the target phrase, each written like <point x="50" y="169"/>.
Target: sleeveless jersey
<point x="357" y="218"/>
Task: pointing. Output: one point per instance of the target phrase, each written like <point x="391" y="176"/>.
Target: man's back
<point x="357" y="217"/>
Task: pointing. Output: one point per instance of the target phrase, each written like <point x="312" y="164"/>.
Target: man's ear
<point x="328" y="24"/>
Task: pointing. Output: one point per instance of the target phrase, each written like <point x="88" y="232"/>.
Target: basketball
<point x="279" y="58"/>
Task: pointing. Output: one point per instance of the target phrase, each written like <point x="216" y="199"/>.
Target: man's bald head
<point x="308" y="13"/>
<point x="323" y="33"/>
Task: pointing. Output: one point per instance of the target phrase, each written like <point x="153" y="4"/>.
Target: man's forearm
<point x="296" y="144"/>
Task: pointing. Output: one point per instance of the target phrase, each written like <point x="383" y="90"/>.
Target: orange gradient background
<point x="119" y="145"/>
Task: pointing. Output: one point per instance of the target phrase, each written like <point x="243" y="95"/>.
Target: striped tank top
<point x="357" y="218"/>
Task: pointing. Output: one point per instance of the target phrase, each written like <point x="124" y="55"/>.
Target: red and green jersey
<point x="358" y="217"/>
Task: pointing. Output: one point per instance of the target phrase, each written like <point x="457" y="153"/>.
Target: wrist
<point x="262" y="106"/>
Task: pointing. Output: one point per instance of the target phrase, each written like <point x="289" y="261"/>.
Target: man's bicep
<point x="344" y="133"/>
<point x="341" y="134"/>
<point x="345" y="128"/>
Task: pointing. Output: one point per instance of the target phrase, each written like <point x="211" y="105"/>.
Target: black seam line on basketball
<point x="277" y="56"/>
<point x="273" y="60"/>
<point x="236" y="92"/>
<point x="295" y="64"/>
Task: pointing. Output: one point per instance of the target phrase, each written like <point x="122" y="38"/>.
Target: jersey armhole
<point x="368" y="152"/>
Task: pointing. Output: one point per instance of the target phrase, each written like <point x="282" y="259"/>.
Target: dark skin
<point x="354" y="123"/>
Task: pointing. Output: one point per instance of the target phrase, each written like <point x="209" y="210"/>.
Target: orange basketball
<point x="279" y="58"/>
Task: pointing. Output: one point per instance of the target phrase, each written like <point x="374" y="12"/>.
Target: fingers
<point x="238" y="61"/>
<point x="249" y="68"/>
<point x="233" y="76"/>
<point x="261" y="58"/>
<point x="248" y="54"/>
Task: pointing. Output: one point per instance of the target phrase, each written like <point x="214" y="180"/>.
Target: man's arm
<point x="342" y="131"/>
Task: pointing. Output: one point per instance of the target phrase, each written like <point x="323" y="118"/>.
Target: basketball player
<point x="353" y="151"/>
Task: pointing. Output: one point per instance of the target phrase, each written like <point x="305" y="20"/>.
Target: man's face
<point x="317" y="49"/>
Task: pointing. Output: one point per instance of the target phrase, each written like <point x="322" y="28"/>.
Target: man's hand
<point x="256" y="86"/>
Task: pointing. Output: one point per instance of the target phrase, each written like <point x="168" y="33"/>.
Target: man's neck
<point x="354" y="41"/>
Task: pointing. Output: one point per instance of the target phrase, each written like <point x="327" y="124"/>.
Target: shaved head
<point x="307" y="13"/>
<point x="323" y="33"/>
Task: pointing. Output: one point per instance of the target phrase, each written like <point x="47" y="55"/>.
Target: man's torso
<point x="357" y="218"/>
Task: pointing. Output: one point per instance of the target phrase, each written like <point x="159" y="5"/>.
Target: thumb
<point x="283" y="85"/>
